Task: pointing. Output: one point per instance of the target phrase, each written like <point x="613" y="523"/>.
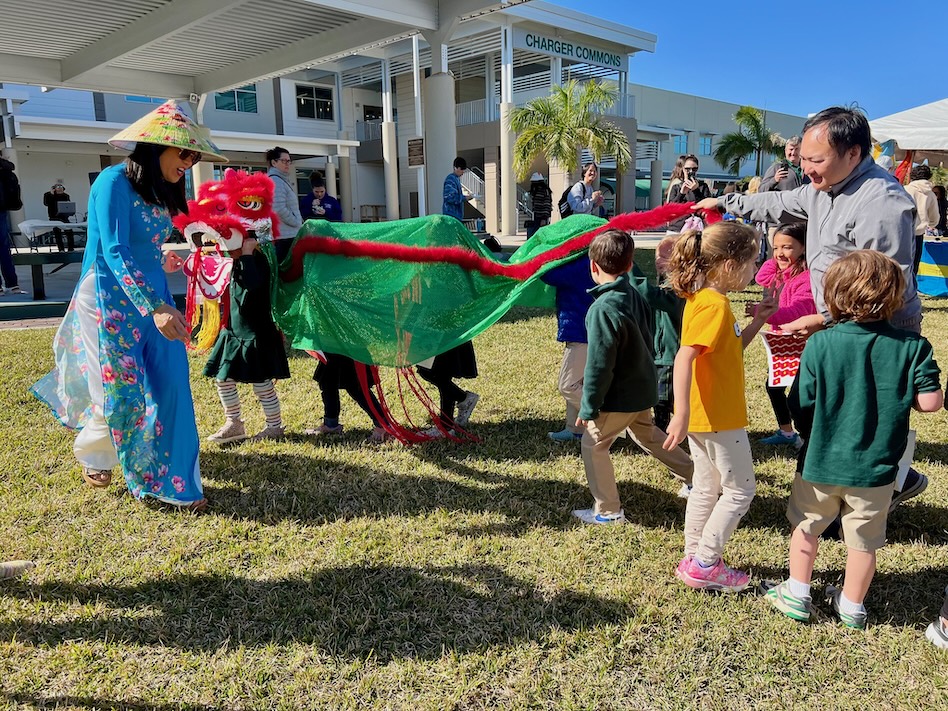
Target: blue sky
<point x="791" y="57"/>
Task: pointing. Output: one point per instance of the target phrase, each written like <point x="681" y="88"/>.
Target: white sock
<point x="798" y="589"/>
<point x="848" y="606"/>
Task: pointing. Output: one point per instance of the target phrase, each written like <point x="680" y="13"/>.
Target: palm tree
<point x="567" y="120"/>
<point x="752" y="137"/>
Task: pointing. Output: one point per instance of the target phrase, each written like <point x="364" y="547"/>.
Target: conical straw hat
<point x="168" y="125"/>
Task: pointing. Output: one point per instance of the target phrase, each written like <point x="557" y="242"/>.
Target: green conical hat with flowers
<point x="168" y="125"/>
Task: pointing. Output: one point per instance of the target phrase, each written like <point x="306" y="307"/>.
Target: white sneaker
<point x="591" y="517"/>
<point x="432" y="433"/>
<point x="466" y="407"/>
<point x="15" y="568"/>
<point x="232" y="431"/>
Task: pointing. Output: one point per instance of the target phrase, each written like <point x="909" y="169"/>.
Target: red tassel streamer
<point x="471" y="261"/>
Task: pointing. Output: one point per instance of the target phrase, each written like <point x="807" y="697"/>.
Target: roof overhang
<point x="176" y="48"/>
<point x="51" y="134"/>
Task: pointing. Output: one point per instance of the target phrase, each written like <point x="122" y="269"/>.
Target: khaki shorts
<point x="813" y="507"/>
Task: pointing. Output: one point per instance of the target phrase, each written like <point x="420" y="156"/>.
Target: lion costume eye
<point x="250" y="202"/>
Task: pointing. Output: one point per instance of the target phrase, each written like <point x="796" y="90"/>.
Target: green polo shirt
<point x="620" y="372"/>
<point x="858" y="382"/>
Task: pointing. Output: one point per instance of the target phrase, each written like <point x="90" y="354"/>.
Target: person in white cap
<point x="121" y="373"/>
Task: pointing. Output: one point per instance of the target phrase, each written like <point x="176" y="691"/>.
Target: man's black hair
<point x="459" y="162"/>
<point x="845" y="128"/>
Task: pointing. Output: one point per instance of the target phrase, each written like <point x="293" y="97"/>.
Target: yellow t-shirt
<point x="717" y="383"/>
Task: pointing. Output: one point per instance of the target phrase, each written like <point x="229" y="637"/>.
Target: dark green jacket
<point x="664" y="318"/>
<point x="620" y="372"/>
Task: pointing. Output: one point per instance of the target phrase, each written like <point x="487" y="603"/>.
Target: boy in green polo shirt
<point x="857" y="384"/>
<point x="619" y="381"/>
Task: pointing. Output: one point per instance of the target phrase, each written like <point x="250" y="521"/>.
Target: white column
<point x="389" y="145"/>
<point x="203" y="172"/>
<point x="508" y="182"/>
<point x="489" y="88"/>
<point x="345" y="185"/>
<point x="556" y="71"/>
<point x="419" y="121"/>
<point x="331" y="181"/>
<point x="441" y="141"/>
<point x="655" y="196"/>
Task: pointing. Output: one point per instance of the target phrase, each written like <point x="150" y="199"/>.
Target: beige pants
<point x="598" y="439"/>
<point x="641" y="428"/>
<point x="723" y="489"/>
<point x="571" y="381"/>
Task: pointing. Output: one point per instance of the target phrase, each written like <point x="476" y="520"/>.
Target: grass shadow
<point x="382" y="612"/>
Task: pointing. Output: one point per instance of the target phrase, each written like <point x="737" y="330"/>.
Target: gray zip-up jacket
<point x="869" y="209"/>
<point x="286" y="204"/>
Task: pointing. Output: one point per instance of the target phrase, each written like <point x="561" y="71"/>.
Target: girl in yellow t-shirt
<point x="708" y="384"/>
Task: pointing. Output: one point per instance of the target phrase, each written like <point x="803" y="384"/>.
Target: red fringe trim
<point x="466" y="259"/>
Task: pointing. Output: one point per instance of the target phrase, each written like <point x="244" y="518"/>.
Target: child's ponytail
<point x="686" y="267"/>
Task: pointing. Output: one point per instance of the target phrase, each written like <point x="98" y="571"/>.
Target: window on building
<point x="704" y="146"/>
<point x="314" y="102"/>
<point x="681" y="145"/>
<point x="242" y="99"/>
<point x="144" y="99"/>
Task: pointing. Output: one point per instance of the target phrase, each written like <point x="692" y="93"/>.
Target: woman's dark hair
<point x="143" y="169"/>
<point x="845" y="128"/>
<point x="275" y="153"/>
<point x="921" y="172"/>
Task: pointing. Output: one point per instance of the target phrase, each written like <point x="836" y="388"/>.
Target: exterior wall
<point x="658" y="107"/>
<point x="57" y="103"/>
<point x="405" y="128"/>
<point x="293" y="125"/>
<point x="264" y="121"/>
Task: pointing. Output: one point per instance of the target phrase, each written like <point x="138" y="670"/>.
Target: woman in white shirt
<point x="582" y="198"/>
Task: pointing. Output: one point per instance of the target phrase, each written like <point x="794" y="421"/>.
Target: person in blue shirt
<point x="319" y="204"/>
<point x="453" y="194"/>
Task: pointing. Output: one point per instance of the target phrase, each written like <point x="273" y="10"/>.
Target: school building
<point x="379" y="98"/>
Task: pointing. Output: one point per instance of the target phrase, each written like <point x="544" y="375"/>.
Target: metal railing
<point x="623" y="108"/>
<point x="369" y="130"/>
<point x="470" y="113"/>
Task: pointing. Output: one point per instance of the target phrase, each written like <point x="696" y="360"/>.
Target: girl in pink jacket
<point x="787" y="271"/>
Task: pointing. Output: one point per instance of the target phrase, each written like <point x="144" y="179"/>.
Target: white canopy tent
<point x="923" y="129"/>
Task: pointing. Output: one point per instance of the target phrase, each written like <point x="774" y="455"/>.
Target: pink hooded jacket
<point x="796" y="299"/>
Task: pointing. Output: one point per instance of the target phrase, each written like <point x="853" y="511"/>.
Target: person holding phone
<point x="786" y="173"/>
<point x="689" y="190"/>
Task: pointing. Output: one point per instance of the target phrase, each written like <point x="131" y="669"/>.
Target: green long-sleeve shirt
<point x="620" y="372"/>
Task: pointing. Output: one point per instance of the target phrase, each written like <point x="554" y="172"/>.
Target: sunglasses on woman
<point x="193" y="156"/>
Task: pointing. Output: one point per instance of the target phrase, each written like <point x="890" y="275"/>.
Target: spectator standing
<point x="318" y="204"/>
<point x="541" y="197"/>
<point x="453" y="192"/>
<point x="57" y="194"/>
<point x="920" y="188"/>
<point x="286" y="204"/>
<point x="582" y="198"/>
<point x="690" y="189"/>
<point x="9" y="201"/>
<point x="942" y="200"/>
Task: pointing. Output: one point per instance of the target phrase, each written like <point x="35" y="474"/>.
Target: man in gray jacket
<point x="850" y="203"/>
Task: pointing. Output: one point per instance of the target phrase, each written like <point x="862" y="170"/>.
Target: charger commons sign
<point x="567" y="49"/>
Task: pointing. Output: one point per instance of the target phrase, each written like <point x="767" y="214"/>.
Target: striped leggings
<point x="265" y="392"/>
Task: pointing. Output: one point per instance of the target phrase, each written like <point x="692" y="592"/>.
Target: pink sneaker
<point x="718" y="577"/>
<point x="683" y="566"/>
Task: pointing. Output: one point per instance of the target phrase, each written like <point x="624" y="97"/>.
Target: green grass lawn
<point x="341" y="576"/>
